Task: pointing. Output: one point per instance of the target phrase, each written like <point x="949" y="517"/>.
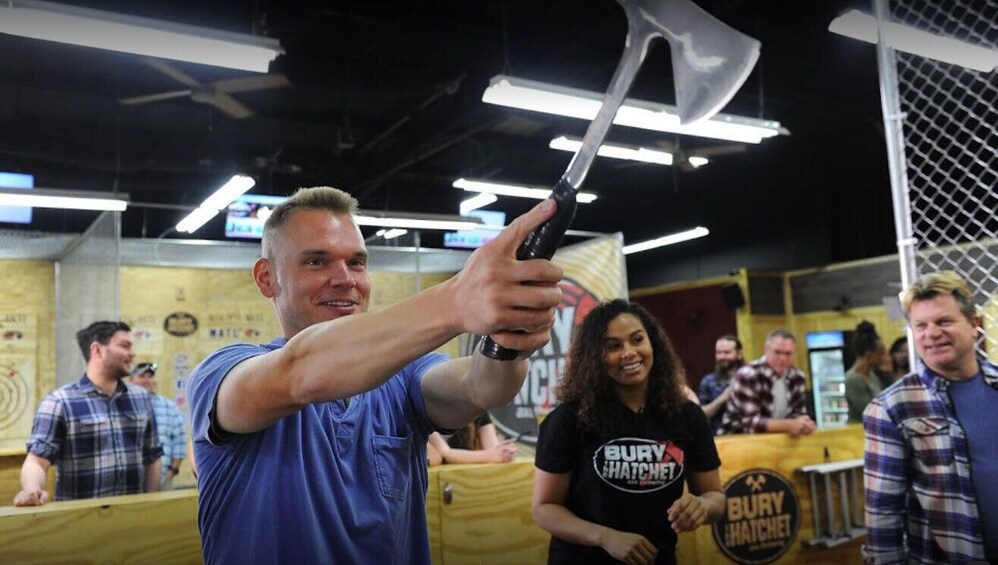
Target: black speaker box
<point x="732" y="294"/>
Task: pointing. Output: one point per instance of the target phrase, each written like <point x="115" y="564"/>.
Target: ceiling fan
<point x="688" y="160"/>
<point x="216" y="94"/>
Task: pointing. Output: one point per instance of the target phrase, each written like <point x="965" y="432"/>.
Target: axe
<point x="710" y="61"/>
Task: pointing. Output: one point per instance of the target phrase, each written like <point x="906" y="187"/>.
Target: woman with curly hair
<point x="613" y="457"/>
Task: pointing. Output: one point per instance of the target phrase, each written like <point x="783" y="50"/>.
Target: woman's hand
<point x="688" y="513"/>
<point x="502" y="453"/>
<point x="633" y="549"/>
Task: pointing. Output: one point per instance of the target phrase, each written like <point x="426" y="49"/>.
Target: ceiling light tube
<point x="575" y="103"/>
<point x="67" y="199"/>
<point x="196" y="219"/>
<point x="391" y="233"/>
<point x="857" y="25"/>
<point x="642" y="154"/>
<point x="415" y="221"/>
<point x="228" y="192"/>
<point x="141" y="36"/>
<point x="514" y="190"/>
<point x="476" y="202"/>
<point x="687" y="235"/>
<point x="232" y="189"/>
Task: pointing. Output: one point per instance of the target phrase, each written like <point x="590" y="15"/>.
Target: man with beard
<point x="714" y="387"/>
<point x="99" y="431"/>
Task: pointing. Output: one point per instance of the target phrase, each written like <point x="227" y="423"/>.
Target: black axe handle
<point x="540" y="244"/>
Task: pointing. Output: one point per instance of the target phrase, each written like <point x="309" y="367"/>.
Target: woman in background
<point x="612" y="459"/>
<point x="862" y="380"/>
<point x="477" y="442"/>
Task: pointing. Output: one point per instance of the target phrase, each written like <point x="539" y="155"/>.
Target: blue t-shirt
<point x="329" y="484"/>
<point x="974" y="402"/>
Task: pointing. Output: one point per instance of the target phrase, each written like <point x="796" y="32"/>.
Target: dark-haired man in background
<point x="99" y="430"/>
<point x="715" y="389"/>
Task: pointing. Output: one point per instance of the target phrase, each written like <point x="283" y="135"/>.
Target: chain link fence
<point x="86" y="290"/>
<point x="948" y="153"/>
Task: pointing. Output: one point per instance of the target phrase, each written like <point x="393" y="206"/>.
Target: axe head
<point x="710" y="60"/>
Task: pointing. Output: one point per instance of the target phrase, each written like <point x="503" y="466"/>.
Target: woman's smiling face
<point x="627" y="351"/>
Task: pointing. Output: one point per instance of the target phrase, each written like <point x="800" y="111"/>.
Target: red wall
<point x="694" y="318"/>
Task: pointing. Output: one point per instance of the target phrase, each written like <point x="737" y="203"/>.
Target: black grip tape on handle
<point x="539" y="244"/>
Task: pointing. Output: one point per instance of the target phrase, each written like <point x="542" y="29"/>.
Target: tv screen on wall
<point x="473" y="239"/>
<point x="16" y="214"/>
<point x="245" y="217"/>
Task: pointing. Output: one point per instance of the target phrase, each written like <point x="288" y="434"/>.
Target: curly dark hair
<point x="586" y="381"/>
<point x="865" y="339"/>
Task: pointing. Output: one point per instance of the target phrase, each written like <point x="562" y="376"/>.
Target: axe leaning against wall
<point x="710" y="61"/>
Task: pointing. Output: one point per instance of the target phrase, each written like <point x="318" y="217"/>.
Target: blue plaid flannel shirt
<point x="99" y="444"/>
<point x="917" y="475"/>
<point x="172" y="431"/>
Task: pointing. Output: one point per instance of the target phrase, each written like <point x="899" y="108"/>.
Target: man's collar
<point x="935" y="382"/>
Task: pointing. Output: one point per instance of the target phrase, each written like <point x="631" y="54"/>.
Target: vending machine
<point x="829" y="356"/>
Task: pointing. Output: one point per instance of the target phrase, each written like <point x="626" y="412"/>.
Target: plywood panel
<point x="28" y="294"/>
<point x="10" y="475"/>
<point x="141" y="528"/>
<point x="489" y="518"/>
<point x="433" y="503"/>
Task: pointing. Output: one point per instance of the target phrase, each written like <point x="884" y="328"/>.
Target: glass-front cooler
<point x="829" y="355"/>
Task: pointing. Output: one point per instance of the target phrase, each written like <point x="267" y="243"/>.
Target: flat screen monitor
<point x="245" y="217"/>
<point x="16" y="214"/>
<point x="473" y="239"/>
<point x="823" y="340"/>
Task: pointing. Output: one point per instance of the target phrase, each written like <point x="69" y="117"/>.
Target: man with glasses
<point x="169" y="423"/>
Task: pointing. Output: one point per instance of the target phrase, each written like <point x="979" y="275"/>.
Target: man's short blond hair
<point x="312" y="198"/>
<point x="932" y="285"/>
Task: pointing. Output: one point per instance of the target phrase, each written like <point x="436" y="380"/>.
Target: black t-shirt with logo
<point x="628" y="478"/>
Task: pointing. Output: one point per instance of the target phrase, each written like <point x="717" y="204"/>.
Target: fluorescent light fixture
<point x="69" y="199"/>
<point x="514" y="190"/>
<point x="225" y="195"/>
<point x="583" y="104"/>
<point x="415" y="221"/>
<point x="141" y="36"/>
<point x="391" y="233"/>
<point x="476" y="202"/>
<point x="687" y="235"/>
<point x="863" y="27"/>
<point x="614" y="151"/>
<point x="196" y="219"/>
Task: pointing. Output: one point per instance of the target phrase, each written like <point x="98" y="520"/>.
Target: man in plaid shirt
<point x="931" y="462"/>
<point x="99" y="431"/>
<point x="769" y="394"/>
<point x="169" y="423"/>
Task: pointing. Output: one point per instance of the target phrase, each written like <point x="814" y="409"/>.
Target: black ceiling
<point x="385" y="102"/>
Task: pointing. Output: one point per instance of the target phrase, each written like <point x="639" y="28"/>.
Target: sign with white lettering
<point x="761" y="519"/>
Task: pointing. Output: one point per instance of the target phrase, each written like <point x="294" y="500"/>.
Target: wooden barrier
<point x="137" y="528"/>
<point x="488" y="518"/>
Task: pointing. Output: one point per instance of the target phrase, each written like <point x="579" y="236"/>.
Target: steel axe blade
<point x="710" y="62"/>
<point x="710" y="59"/>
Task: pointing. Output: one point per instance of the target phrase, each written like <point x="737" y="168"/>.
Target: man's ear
<point x="264" y="277"/>
<point x="95" y="349"/>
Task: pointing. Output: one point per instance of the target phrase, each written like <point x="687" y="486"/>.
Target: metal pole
<point x="890" y="103"/>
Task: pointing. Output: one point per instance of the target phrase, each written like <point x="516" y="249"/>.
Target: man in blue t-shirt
<point x="312" y="448"/>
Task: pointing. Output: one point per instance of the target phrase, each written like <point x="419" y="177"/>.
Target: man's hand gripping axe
<point x="710" y="61"/>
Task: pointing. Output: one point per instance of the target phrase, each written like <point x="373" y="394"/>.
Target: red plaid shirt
<point x="751" y="403"/>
